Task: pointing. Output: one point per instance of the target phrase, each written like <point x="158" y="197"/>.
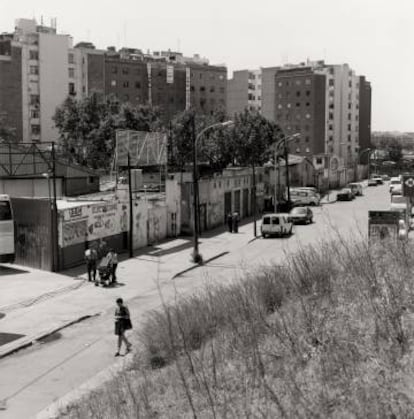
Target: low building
<point x="229" y="191"/>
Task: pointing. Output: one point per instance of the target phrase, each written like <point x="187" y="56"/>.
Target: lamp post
<point x="196" y="256"/>
<point x="284" y="140"/>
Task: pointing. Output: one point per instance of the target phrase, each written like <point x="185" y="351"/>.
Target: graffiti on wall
<point x="93" y="222"/>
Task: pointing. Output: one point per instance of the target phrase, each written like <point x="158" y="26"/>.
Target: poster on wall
<point x="93" y="222"/>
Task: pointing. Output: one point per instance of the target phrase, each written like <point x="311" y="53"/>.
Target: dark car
<point x="301" y="215"/>
<point x="345" y="195"/>
<point x="372" y="182"/>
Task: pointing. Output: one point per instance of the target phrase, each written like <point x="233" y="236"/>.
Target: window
<point x="71" y="73"/>
<point x="35" y="114"/>
<point x="5" y="211"/>
<point x="308" y="92"/>
<point x="221" y="77"/>
<point x="307" y="116"/>
<point x="279" y="106"/>
<point x="298" y="93"/>
<point x="330" y="138"/>
<point x="349" y="117"/>
<point x="349" y="137"/>
<point x="298" y="116"/>
<point x="331" y="106"/>
<point x="202" y="89"/>
<point x="72" y="89"/>
<point x="125" y="83"/>
<point x="34" y="99"/>
<point x="192" y="88"/>
<point x="306" y="139"/>
<point x="221" y="89"/>
<point x="212" y="89"/>
<point x="297" y="104"/>
<point x="138" y="85"/>
<point x="125" y="70"/>
<point x="113" y="83"/>
<point x="331" y="82"/>
<point x="114" y="70"/>
<point x="34" y="70"/>
<point x="288" y="105"/>
<point x="33" y="55"/>
<point x="71" y="58"/>
<point x="330" y="127"/>
<point x="126" y="97"/>
<point x="35" y="129"/>
<point x="349" y="127"/>
<point x="331" y="115"/>
<point x="307" y="104"/>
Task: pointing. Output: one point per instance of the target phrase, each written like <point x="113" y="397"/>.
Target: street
<point x="33" y="378"/>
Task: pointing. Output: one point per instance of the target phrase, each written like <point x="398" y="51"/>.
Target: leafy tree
<point x="87" y="127"/>
<point x="7" y="133"/>
<point x="394" y="149"/>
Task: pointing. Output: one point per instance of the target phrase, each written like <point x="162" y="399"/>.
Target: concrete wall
<point x="53" y="80"/>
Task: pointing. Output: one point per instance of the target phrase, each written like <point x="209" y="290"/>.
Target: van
<point x="276" y="225"/>
<point x="304" y="197"/>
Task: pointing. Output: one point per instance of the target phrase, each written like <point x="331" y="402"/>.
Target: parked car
<point x="308" y="188"/>
<point x="399" y="204"/>
<point x="276" y="225"/>
<point x="378" y="179"/>
<point x="356" y="188"/>
<point x="345" y="195"/>
<point x="395" y="183"/>
<point x="303" y="197"/>
<point x="301" y="215"/>
<point x="372" y="182"/>
<point x="385" y="177"/>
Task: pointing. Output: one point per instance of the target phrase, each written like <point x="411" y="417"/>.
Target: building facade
<point x="244" y="91"/>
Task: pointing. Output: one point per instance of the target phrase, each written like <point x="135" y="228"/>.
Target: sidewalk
<point x="35" y="304"/>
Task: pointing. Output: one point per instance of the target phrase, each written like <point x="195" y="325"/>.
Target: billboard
<point x="144" y="148"/>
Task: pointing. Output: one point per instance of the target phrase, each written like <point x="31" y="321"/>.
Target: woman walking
<point x="122" y="323"/>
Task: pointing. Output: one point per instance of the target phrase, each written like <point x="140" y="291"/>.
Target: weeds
<point x="322" y="337"/>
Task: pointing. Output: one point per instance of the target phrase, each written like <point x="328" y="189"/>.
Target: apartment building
<point x="244" y="91"/>
<point x="328" y="105"/>
<point x="44" y="73"/>
<point x="165" y="79"/>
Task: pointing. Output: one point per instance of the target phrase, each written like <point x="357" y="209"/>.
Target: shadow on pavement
<point x="9" y="337"/>
<point x="7" y="270"/>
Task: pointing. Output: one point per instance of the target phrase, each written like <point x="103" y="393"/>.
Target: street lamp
<point x="284" y="140"/>
<point x="196" y="256"/>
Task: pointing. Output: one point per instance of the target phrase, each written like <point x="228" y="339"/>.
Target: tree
<point x="87" y="127"/>
<point x="7" y="133"/>
<point x="394" y="149"/>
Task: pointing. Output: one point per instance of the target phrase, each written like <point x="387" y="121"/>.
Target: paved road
<point x="33" y="378"/>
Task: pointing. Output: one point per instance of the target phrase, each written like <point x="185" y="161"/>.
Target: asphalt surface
<point x="33" y="378"/>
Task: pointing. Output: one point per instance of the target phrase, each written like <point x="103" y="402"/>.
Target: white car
<point x="395" y="186"/>
<point x="279" y="224"/>
<point x="398" y="203"/>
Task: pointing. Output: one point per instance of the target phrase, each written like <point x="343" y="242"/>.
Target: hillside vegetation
<point x="325" y="336"/>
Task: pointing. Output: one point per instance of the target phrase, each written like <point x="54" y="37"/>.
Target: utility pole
<point x="196" y="255"/>
<point x="287" y="174"/>
<point x="131" y="215"/>
<point x="55" y="244"/>
<point x="254" y="202"/>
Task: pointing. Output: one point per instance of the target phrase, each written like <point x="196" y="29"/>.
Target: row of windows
<point x="234" y="183"/>
<point x="289" y="105"/>
<point x="307" y="82"/>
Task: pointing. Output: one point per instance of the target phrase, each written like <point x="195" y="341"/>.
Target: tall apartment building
<point x="166" y="79"/>
<point x="329" y="105"/>
<point x="43" y="75"/>
<point x="244" y="91"/>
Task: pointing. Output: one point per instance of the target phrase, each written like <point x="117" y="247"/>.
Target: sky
<point x="375" y="37"/>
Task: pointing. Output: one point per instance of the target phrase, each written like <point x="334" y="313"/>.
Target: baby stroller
<point x="104" y="271"/>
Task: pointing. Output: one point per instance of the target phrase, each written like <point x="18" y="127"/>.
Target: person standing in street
<point x="91" y="258"/>
<point x="230" y="222"/>
<point x="113" y="257"/>
<point x="122" y="323"/>
<point x="236" y="220"/>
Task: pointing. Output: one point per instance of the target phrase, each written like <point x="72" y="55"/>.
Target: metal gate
<point x="34" y="233"/>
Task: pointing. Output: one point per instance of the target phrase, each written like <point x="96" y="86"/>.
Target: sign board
<point x="144" y="148"/>
<point x="408" y="185"/>
<point x="334" y="164"/>
<point x="170" y="74"/>
<point x="383" y="225"/>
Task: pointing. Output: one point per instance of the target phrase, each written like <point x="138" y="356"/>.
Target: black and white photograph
<point x="206" y="209"/>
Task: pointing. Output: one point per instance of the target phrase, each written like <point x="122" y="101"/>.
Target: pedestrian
<point x="230" y="222"/>
<point x="91" y="258"/>
<point x="122" y="323"/>
<point x="113" y="261"/>
<point x="236" y="220"/>
<point x="102" y="249"/>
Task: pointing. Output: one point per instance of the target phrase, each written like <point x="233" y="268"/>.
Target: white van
<point x="304" y="197"/>
<point x="276" y="225"/>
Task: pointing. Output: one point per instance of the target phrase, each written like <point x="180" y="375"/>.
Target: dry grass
<point x="322" y="337"/>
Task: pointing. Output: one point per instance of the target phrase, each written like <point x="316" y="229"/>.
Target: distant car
<point x="356" y="188"/>
<point x="395" y="184"/>
<point x="301" y="215"/>
<point x="278" y="224"/>
<point x="378" y="179"/>
<point x="303" y="197"/>
<point x="310" y="189"/>
<point x="398" y="203"/>
<point x="345" y="195"/>
<point x="385" y="177"/>
<point x="372" y="182"/>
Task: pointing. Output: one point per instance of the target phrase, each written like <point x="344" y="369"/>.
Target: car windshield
<point x="299" y="211"/>
<point x="5" y="211"/>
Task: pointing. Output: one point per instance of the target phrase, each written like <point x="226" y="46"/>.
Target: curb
<point x="31" y="340"/>
<point x="195" y="266"/>
<point x="254" y="238"/>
